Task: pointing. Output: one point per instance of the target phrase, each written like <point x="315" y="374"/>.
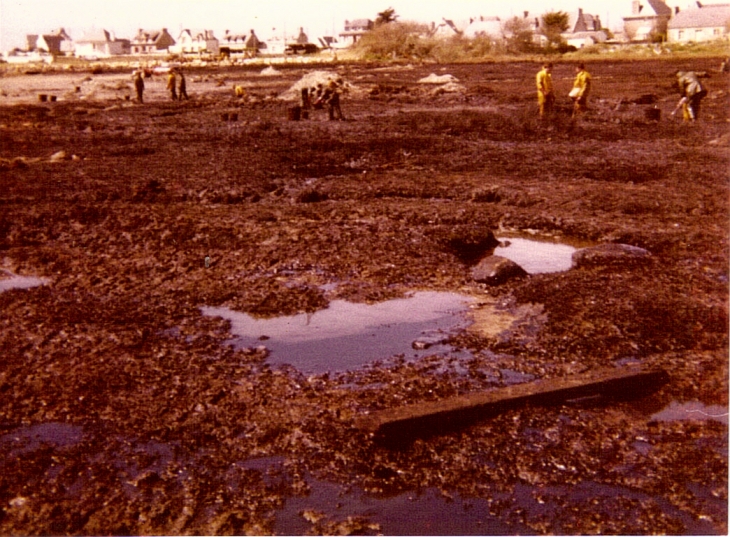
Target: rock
<point x="609" y="254"/>
<point x="270" y="71"/>
<point x="436" y="79"/>
<point x="495" y="270"/>
<point x="471" y="243"/>
<point x="58" y="156"/>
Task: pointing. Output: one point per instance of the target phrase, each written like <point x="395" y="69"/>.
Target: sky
<point x="266" y="17"/>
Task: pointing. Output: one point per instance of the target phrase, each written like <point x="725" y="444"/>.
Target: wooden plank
<point x="436" y="417"/>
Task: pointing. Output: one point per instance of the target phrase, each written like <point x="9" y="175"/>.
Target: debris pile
<point x="312" y="80"/>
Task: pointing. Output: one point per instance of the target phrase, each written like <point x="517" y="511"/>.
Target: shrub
<point x="396" y="40"/>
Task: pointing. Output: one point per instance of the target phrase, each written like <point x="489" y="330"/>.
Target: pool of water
<point x="30" y="438"/>
<point x="349" y="335"/>
<point x="8" y="281"/>
<point x="426" y="512"/>
<point x="536" y="256"/>
<point x="692" y="410"/>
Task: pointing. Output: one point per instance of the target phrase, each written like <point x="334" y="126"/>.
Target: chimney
<point x="527" y="13"/>
<point x="676" y="10"/>
<point x="699" y="4"/>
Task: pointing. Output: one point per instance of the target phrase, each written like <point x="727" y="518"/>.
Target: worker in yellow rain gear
<point x="545" y="95"/>
<point x="172" y="85"/>
<point x="581" y="88"/>
<point x="692" y="92"/>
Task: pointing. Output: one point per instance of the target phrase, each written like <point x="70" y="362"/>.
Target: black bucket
<point x="294" y="113"/>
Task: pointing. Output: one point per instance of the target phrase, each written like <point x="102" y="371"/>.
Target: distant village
<point x="646" y="20"/>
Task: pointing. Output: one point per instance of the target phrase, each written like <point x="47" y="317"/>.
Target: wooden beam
<point x="436" y="417"/>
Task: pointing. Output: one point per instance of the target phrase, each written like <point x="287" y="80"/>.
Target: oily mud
<point x="125" y="410"/>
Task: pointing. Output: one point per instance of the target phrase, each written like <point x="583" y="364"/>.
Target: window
<point x="680" y="34"/>
<point x="716" y="31"/>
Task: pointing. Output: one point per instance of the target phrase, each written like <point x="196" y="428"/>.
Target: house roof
<point x="658" y="8"/>
<point x="58" y="33"/>
<point x="578" y="21"/>
<point x="357" y="24"/>
<point x="491" y="26"/>
<point x="96" y="36"/>
<point x="149" y="36"/>
<point x="709" y="16"/>
<point x="233" y="38"/>
<point x="198" y="34"/>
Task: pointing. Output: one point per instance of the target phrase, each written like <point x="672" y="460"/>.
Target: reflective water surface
<point x="348" y="335"/>
<point x="536" y="257"/>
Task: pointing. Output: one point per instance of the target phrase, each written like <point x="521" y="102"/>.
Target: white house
<point x="354" y="30"/>
<point x="484" y="27"/>
<point x="248" y="44"/>
<point x="196" y="42"/>
<point x="445" y="29"/>
<point x="100" y="44"/>
<point x="647" y="17"/>
<point x="701" y="23"/>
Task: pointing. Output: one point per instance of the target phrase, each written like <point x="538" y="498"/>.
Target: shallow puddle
<point x="429" y="512"/>
<point x="348" y="335"/>
<point x="8" y="281"/>
<point x="693" y="410"/>
<point x="409" y="513"/>
<point x="536" y="257"/>
<point x="27" y="439"/>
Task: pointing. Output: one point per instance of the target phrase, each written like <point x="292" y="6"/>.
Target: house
<point x="445" y="29"/>
<point x="584" y="29"/>
<point x="354" y="30"/>
<point x="701" y="23"/>
<point x="483" y="27"/>
<point x="100" y="44"/>
<point x="248" y="44"/>
<point x="647" y="17"/>
<point x="578" y="21"/>
<point x="56" y="43"/>
<point x="151" y="42"/>
<point x="196" y="42"/>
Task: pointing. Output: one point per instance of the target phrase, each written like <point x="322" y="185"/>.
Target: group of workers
<point x="320" y="96"/>
<point x="546" y="94"/>
<point x="176" y="85"/>
<point x="690" y="89"/>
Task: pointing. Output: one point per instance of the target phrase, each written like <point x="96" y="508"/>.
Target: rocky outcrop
<point x="495" y="270"/>
<point x="610" y="254"/>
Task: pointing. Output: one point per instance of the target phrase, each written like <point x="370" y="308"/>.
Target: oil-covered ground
<point x="124" y="411"/>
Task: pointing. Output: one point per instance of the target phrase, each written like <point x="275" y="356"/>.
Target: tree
<point x="518" y="35"/>
<point x="397" y="40"/>
<point x="386" y="16"/>
<point x="554" y="23"/>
